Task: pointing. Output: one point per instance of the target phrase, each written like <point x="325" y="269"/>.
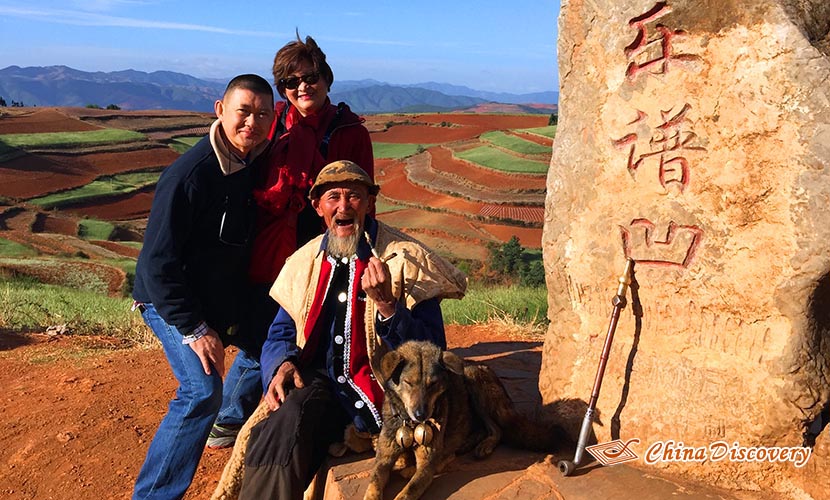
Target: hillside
<point x="166" y="90"/>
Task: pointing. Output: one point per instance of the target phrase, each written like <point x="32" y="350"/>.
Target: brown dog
<point x="436" y="406"/>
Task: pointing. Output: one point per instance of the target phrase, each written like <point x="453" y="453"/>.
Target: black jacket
<point x="187" y="269"/>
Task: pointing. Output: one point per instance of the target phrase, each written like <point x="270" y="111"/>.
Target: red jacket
<point x="285" y="219"/>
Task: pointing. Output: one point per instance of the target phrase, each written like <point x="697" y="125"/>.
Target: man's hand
<point x="287" y="376"/>
<point x="210" y="351"/>
<point x="377" y="283"/>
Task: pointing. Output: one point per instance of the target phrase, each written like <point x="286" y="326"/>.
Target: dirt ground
<point x="79" y="413"/>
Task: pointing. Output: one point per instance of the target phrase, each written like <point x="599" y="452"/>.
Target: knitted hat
<point x="342" y="171"/>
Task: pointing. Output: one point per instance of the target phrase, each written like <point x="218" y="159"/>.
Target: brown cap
<point x="339" y="172"/>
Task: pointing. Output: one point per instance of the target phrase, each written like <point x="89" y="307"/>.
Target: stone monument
<point x="694" y="138"/>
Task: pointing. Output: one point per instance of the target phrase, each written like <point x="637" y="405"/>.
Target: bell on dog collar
<point x="404" y="436"/>
<point x="424" y="433"/>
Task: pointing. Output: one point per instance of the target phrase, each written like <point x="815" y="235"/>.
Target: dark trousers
<point x="287" y="448"/>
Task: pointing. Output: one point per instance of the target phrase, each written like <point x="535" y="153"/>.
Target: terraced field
<point x="454" y="204"/>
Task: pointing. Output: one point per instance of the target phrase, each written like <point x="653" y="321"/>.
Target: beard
<point x="343" y="246"/>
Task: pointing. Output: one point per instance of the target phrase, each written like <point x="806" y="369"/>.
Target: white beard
<point x="339" y="247"/>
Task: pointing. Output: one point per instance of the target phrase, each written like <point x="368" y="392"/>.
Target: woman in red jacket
<point x="308" y="133"/>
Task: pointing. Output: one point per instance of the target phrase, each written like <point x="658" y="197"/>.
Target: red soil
<point x="426" y="134"/>
<point x="47" y="223"/>
<point x="80" y="412"/>
<point x="35" y="175"/>
<point x="116" y="247"/>
<point x="130" y="207"/>
<point x="487" y="122"/>
<point x="40" y="121"/>
<point x="527" y="214"/>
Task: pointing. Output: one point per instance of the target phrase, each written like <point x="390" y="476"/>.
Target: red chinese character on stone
<point x="644" y="54"/>
<point x="666" y="143"/>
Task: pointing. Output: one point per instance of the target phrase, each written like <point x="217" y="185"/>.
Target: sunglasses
<point x="293" y="82"/>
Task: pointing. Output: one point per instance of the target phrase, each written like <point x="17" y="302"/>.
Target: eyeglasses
<point x="293" y="82"/>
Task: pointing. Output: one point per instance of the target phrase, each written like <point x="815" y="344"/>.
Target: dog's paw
<point x="484" y="449"/>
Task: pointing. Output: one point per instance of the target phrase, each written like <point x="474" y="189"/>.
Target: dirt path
<point x="79" y="412"/>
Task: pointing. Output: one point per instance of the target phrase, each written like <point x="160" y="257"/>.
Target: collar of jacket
<point x="229" y="162"/>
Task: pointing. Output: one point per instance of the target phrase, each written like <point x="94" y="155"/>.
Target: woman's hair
<point x="291" y="56"/>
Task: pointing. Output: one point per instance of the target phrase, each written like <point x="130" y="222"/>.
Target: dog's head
<point x="417" y="373"/>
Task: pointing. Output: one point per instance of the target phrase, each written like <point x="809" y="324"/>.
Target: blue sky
<point x="491" y="45"/>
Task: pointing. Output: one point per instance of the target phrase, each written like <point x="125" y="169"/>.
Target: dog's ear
<point x="391" y="366"/>
<point x="452" y="363"/>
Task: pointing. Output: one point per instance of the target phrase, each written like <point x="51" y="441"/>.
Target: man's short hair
<point x="254" y="83"/>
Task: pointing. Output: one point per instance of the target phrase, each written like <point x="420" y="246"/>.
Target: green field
<point x="549" y="131"/>
<point x="101" y="187"/>
<point x="397" y="151"/>
<point x="513" y="143"/>
<point x="10" y="248"/>
<point x="482" y="304"/>
<point x="93" y="229"/>
<point x="52" y="140"/>
<point x="182" y="144"/>
<point x="496" y="159"/>
<point x="31" y="305"/>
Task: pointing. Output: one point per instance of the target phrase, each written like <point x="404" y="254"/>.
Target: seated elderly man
<point x="346" y="297"/>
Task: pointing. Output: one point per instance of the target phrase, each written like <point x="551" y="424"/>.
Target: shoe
<point x="222" y="436"/>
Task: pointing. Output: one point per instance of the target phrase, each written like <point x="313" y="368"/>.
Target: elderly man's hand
<point x="210" y="350"/>
<point x="287" y="376"/>
<point x="377" y="283"/>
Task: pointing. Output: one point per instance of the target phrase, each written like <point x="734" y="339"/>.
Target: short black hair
<point x="254" y="83"/>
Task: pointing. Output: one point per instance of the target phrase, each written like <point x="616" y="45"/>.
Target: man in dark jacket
<point x="191" y="280"/>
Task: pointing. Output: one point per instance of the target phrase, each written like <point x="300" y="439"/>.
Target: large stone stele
<point x="694" y="138"/>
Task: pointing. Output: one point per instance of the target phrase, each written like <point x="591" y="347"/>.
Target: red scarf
<point x="292" y="163"/>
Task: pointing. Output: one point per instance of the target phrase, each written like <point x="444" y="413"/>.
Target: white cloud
<point x="79" y="18"/>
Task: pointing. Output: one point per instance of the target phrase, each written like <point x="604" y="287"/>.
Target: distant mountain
<point x="502" y="97"/>
<point x="130" y="89"/>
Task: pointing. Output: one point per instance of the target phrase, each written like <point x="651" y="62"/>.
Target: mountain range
<point x="130" y="89"/>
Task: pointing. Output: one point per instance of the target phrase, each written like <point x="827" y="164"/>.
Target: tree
<point x="554" y="119"/>
<point x="2" y="102"/>
<point x="93" y="106"/>
<point x="113" y="106"/>
<point x="506" y="259"/>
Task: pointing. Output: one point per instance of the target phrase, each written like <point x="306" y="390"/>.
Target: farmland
<point x="76" y="185"/>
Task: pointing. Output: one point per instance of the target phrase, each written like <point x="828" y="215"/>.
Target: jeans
<point x="177" y="446"/>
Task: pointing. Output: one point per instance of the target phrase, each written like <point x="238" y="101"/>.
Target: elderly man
<point x="346" y="298"/>
<point x="191" y="279"/>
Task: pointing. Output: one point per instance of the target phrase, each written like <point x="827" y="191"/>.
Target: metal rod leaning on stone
<point x="566" y="467"/>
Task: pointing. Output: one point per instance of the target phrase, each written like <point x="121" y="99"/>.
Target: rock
<point x="694" y="138"/>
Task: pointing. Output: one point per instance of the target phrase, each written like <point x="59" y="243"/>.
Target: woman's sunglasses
<point x="293" y="82"/>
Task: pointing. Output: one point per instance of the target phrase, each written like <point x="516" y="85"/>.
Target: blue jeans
<point x="177" y="446"/>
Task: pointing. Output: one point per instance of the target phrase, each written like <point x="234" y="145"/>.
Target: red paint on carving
<point x="668" y="253"/>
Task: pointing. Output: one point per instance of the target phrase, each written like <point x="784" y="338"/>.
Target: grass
<point x="383" y="207"/>
<point x="93" y="229"/>
<point x="10" y="248"/>
<point x="32" y="306"/>
<point x="490" y="157"/>
<point x="182" y="144"/>
<point x="53" y="140"/>
<point x="397" y="151"/>
<point x="513" y="143"/>
<point x="512" y="304"/>
<point x="549" y="131"/>
<point x="101" y="187"/>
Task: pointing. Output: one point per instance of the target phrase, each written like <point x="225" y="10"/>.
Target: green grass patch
<point x="383" y="207"/>
<point x="132" y="244"/>
<point x="491" y="157"/>
<point x="182" y="144"/>
<point x="513" y="143"/>
<point x="93" y="229"/>
<point x="397" y="151"/>
<point x="52" y="140"/>
<point x="29" y="305"/>
<point x="10" y="248"/>
<point x="483" y="304"/>
<point x="101" y="187"/>
<point x="549" y="131"/>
